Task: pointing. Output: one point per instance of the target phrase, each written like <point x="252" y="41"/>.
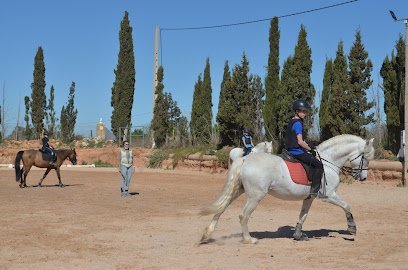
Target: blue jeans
<point x="126" y="175"/>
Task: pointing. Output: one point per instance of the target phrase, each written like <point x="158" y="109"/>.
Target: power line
<point x="260" y="20"/>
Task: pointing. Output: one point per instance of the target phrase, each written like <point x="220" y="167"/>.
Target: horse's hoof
<point x="352" y="230"/>
<point x="250" y="241"/>
<point x="20" y="186"/>
<point x="62" y="185"/>
<point x="39" y="185"/>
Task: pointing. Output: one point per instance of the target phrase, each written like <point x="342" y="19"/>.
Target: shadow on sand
<point x="288" y="231"/>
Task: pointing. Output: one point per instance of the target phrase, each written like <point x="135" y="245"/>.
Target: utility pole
<point x="156" y="62"/>
<point x="405" y="168"/>
<point x="155" y="68"/>
<point x="18" y="117"/>
<point x="3" y="120"/>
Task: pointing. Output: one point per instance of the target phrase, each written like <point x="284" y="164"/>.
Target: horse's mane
<point x="344" y="138"/>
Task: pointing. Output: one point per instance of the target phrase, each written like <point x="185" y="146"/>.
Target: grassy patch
<point x="156" y="158"/>
<point x="100" y="163"/>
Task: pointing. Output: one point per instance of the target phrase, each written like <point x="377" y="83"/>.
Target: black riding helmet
<point x="300" y="104"/>
<point x="246" y="130"/>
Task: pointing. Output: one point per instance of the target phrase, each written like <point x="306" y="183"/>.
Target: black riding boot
<point x="314" y="189"/>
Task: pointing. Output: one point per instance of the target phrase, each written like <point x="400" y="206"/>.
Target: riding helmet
<point x="300" y="104"/>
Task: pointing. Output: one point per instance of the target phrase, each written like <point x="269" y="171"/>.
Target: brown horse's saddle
<point x="46" y="155"/>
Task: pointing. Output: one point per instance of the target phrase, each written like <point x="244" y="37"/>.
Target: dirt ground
<point x="87" y="225"/>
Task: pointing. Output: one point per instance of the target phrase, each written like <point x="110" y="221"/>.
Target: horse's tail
<point x="17" y="165"/>
<point x="229" y="191"/>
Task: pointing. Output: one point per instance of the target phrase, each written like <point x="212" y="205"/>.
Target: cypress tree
<point x="339" y="112"/>
<point x="256" y="88"/>
<point x="360" y="68"/>
<point x="68" y="117"/>
<point x="324" y="103"/>
<point x="272" y="82"/>
<point x="51" y="113"/>
<point x="393" y="74"/>
<point x="160" y="122"/>
<point x="207" y="100"/>
<point x="124" y="84"/>
<point x="38" y="98"/>
<point x="197" y="122"/>
<point x="201" y="113"/>
<point x="27" y="130"/>
<point x="399" y="67"/>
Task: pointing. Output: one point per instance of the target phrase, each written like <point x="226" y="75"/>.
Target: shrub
<point x="222" y="158"/>
<point x="100" y="163"/>
<point x="156" y="158"/>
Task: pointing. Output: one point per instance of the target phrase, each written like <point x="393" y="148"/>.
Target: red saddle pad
<point x="297" y="173"/>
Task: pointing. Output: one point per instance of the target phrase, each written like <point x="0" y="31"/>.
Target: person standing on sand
<point x="125" y="168"/>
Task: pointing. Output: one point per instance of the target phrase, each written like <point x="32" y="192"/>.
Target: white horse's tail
<point x="229" y="191"/>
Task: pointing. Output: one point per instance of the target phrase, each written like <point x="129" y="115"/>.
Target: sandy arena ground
<point x="87" y="225"/>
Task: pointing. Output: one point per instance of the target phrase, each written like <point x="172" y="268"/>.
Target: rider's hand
<point x="312" y="146"/>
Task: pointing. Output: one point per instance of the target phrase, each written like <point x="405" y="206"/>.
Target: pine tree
<point x="339" y="113"/>
<point x="324" y="103"/>
<point x="38" y="98"/>
<point x="244" y="96"/>
<point x="68" y="117"/>
<point x="27" y="130"/>
<point x="360" y="68"/>
<point x="393" y="74"/>
<point x="160" y="124"/>
<point x="286" y="97"/>
<point x="272" y="82"/>
<point x="227" y="110"/>
<point x="302" y="61"/>
<point x="173" y="114"/>
<point x="296" y="84"/>
<point x="124" y="85"/>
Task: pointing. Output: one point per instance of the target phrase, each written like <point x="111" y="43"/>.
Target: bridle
<point x="350" y="170"/>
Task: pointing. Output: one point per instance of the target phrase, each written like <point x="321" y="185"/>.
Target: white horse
<point x="263" y="147"/>
<point x="259" y="174"/>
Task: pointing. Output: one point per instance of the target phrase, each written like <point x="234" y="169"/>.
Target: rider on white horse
<point x="295" y="145"/>
<point x="247" y="142"/>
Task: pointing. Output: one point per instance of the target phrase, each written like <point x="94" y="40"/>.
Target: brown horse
<point x="34" y="157"/>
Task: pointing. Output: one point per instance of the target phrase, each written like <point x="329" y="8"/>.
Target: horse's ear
<point x="370" y="141"/>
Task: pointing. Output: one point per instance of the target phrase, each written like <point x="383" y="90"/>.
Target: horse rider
<point x="48" y="148"/>
<point x="305" y="153"/>
<point x="247" y="142"/>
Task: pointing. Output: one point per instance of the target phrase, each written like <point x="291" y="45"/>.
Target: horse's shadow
<point x="56" y="185"/>
<point x="288" y="231"/>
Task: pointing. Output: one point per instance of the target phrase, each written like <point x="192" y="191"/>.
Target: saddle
<point x="46" y="155"/>
<point x="299" y="172"/>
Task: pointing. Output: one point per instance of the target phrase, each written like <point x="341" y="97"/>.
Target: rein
<point x="349" y="170"/>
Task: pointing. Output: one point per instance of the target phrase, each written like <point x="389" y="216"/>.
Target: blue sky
<point x="80" y="42"/>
